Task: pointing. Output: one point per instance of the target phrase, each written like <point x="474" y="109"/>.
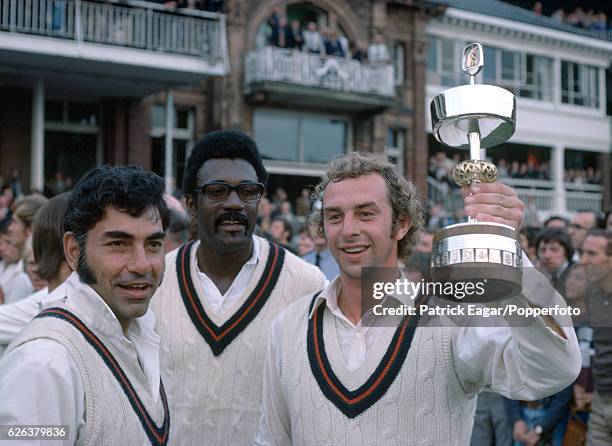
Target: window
<point x="181" y="117"/>
<point x="526" y="75"/>
<point x="72" y="112"/>
<point x="301" y="137"/>
<point x="183" y="131"/>
<point x="395" y="147"/>
<point x="72" y="143"/>
<point x="398" y="56"/>
<point x="444" y="62"/>
<point x="579" y="84"/>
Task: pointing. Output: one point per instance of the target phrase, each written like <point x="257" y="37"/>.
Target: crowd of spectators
<point x="441" y="169"/>
<point x="327" y="41"/>
<point x="567" y="252"/>
<point x="575" y="256"/>
<point x="590" y="20"/>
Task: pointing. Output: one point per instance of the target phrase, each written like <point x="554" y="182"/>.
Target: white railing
<point x="603" y="34"/>
<point x="440" y="193"/>
<point x="583" y="201"/>
<point x="271" y="64"/>
<point x="577" y="196"/>
<point x="132" y="24"/>
<point x="540" y="192"/>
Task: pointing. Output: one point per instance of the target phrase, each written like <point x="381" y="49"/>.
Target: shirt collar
<point x="256" y="251"/>
<point x="332" y="290"/>
<point x="252" y="260"/>
<point x="330" y="295"/>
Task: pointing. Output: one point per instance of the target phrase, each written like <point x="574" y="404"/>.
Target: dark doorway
<point x="67" y="157"/>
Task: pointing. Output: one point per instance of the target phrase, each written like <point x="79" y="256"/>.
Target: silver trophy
<point x="476" y="117"/>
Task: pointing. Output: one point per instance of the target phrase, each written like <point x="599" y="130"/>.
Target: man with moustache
<point x="220" y="295"/>
<point x="332" y="377"/>
<point x="90" y="362"/>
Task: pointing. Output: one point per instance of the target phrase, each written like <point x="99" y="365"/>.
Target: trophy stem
<point x="474" y="139"/>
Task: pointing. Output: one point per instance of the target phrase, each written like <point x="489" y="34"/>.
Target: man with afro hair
<point x="219" y="296"/>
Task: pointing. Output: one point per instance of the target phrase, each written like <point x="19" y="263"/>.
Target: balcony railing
<point x="272" y="64"/>
<point x="132" y="24"/>
<point x="542" y="193"/>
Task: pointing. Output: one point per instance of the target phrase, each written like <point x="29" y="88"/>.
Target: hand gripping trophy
<point x="476" y="117"/>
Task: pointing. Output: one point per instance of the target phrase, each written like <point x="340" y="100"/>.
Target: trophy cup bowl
<point x="476" y="116"/>
<point x="454" y="110"/>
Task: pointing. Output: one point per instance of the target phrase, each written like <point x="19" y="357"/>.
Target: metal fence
<point x="131" y="24"/>
<point x="335" y="73"/>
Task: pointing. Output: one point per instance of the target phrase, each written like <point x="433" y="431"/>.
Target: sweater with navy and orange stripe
<point x="405" y="393"/>
<point x="212" y="364"/>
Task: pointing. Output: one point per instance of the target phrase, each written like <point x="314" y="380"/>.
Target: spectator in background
<point x="6" y="199"/>
<point x="30" y="267"/>
<point x="502" y="167"/>
<point x="313" y="43"/>
<point x="531" y="217"/>
<point x="302" y="205"/>
<point x="281" y="233"/>
<point x="528" y="236"/>
<point x="274" y="25"/>
<point x="537" y="8"/>
<point x="283" y="211"/>
<point x="280" y="195"/>
<point x="305" y="243"/>
<point x="321" y="257"/>
<point x="264" y="215"/>
<point x="177" y="233"/>
<point x="48" y="247"/>
<point x="582" y="222"/>
<point x="515" y="168"/>
<point x="554" y="252"/>
<point x="559" y="15"/>
<point x="608" y="224"/>
<point x="543" y="171"/>
<point x="438" y="219"/>
<point x="557" y="222"/>
<point x="294" y="36"/>
<point x="16" y="183"/>
<point x="14" y="282"/>
<point x="284" y="35"/>
<point x="541" y="420"/>
<point x="359" y="51"/>
<point x="20" y="227"/>
<point x="378" y="51"/>
<point x="575" y="292"/>
<point x="597" y="258"/>
<point x="492" y="426"/>
<point x="333" y="46"/>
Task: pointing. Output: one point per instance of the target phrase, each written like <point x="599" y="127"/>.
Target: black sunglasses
<point x="217" y="191"/>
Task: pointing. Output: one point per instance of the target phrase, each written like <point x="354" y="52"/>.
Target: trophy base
<point x="487" y="255"/>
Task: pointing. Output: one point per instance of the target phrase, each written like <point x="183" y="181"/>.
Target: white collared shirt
<point x="15" y="283"/>
<point x="218" y="302"/>
<point x="40" y="381"/>
<point x="515" y="361"/>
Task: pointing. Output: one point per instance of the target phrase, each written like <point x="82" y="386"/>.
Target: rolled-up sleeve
<point x="523" y="359"/>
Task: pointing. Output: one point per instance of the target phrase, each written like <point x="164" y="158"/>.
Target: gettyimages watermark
<point x="391" y="294"/>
